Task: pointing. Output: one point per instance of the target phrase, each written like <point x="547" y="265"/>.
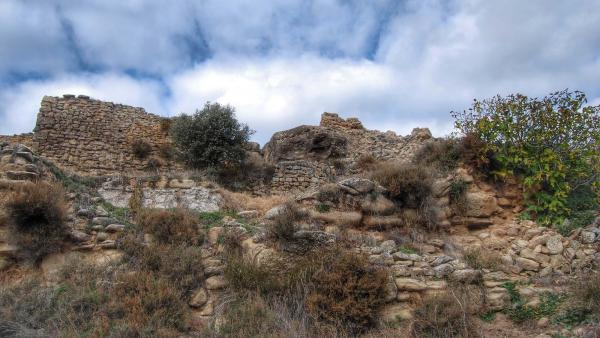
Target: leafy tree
<point x="552" y="144"/>
<point x="211" y="136"/>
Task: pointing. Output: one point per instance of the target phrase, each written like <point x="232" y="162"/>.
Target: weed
<point x="37" y="214"/>
<point x="141" y="149"/>
<point x="171" y="226"/>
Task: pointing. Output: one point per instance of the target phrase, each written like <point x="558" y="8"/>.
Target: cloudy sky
<point x="395" y="64"/>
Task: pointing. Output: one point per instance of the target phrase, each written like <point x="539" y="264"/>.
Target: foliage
<point x="550" y="143"/>
<point x="250" y="171"/>
<point x="141" y="149"/>
<point x="171" y="226"/>
<point x="37" y="214"/>
<point x="408" y="184"/>
<point x="210" y="137"/>
<point x="520" y="312"/>
<point x="347" y="291"/>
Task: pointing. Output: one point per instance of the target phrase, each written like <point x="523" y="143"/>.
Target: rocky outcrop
<point x="164" y="194"/>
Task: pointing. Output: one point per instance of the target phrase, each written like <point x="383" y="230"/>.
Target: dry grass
<point x="366" y="162"/>
<point x="141" y="149"/>
<point x="448" y="315"/>
<point x="243" y="201"/>
<point x="346" y="291"/>
<point x="283" y="225"/>
<point x="442" y="154"/>
<point x="408" y="184"/>
<point x="584" y="295"/>
<point x="36" y="213"/>
<point x="480" y="258"/>
<point x="171" y="226"/>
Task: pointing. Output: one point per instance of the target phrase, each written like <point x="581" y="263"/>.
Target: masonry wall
<point x="94" y="137"/>
<point x="25" y="139"/>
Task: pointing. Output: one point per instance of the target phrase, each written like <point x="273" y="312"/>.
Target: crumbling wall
<point x="94" y="137"/>
<point x="25" y="139"/>
<point x="309" y="156"/>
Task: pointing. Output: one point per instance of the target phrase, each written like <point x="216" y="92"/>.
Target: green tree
<point x="552" y="144"/>
<point x="211" y="136"/>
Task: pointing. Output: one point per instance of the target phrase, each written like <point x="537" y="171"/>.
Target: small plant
<point x="584" y="297"/>
<point x="283" y="226"/>
<point x="37" y="214"/>
<point x="441" y="154"/>
<point x="458" y="195"/>
<point x="407" y="249"/>
<point x="211" y="219"/>
<point x="366" y="162"/>
<point x="446" y="315"/>
<point x="322" y="207"/>
<point x="171" y="226"/>
<point x="408" y="184"/>
<point x="141" y="149"/>
<point x="480" y="258"/>
<point x="347" y="291"/>
<point x="154" y="164"/>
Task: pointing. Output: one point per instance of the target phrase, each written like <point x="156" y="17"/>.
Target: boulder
<point x="527" y="264"/>
<point x="554" y="244"/>
<point x="199" y="298"/>
<point x="481" y="204"/>
<point x="357" y="185"/>
<point x="443" y="270"/>
<point x="305" y="143"/>
<point x="410" y="284"/>
<point x="216" y="283"/>
<point x="115" y="227"/>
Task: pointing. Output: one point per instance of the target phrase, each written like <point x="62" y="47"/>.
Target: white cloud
<point x="22" y="102"/>
<point x="395" y="65"/>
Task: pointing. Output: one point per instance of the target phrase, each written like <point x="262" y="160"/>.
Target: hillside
<point x="328" y="230"/>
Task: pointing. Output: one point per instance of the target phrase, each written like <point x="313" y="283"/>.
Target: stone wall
<point x="93" y="137"/>
<point x="25" y="139"/>
<point x="309" y="156"/>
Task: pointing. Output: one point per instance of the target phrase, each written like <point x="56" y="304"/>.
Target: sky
<point x="394" y="64"/>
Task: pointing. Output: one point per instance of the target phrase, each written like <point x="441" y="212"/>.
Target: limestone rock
<point x="115" y="227"/>
<point x="199" y="298"/>
<point x="410" y="284"/>
<point x="527" y="264"/>
<point x="554" y="244"/>
<point x="357" y="186"/>
<point x="79" y="236"/>
<point x="481" y="204"/>
<point x="216" y="283"/>
<point x="305" y="142"/>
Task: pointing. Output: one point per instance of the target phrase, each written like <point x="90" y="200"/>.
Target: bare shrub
<point x="171" y="226"/>
<point x="330" y="192"/>
<point x="480" y="258"/>
<point x="408" y="184"/>
<point x="141" y="149"/>
<point x="447" y="315"/>
<point x="346" y="291"/>
<point x="441" y="154"/>
<point x="585" y="296"/>
<point x="37" y="214"/>
<point x="244" y="201"/>
<point x="366" y="162"/>
<point x="283" y="226"/>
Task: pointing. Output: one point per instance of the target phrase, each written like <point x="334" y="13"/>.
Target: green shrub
<point x="346" y="291"/>
<point x="551" y="144"/>
<point x="37" y="215"/>
<point x="408" y="184"/>
<point x="211" y="137"/>
<point x="171" y="226"/>
<point x="141" y="149"/>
